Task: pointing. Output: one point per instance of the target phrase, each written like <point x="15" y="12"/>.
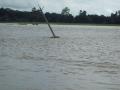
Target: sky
<point x="100" y="7"/>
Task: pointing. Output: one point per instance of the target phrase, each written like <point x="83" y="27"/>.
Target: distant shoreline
<point x="37" y="23"/>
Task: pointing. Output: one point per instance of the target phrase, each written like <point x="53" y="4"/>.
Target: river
<point x="83" y="58"/>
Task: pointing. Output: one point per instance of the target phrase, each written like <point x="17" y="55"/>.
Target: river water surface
<point x="84" y="58"/>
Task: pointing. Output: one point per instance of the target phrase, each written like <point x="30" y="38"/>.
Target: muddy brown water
<point x="83" y="58"/>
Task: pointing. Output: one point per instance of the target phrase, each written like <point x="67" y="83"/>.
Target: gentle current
<point x="84" y="58"/>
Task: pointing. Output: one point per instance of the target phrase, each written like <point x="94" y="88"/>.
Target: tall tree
<point x="82" y="13"/>
<point x="34" y="9"/>
<point x="65" y="11"/>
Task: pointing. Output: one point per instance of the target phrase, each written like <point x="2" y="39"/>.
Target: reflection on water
<point x="85" y="57"/>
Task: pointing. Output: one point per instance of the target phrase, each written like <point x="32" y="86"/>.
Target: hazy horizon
<point x="100" y="7"/>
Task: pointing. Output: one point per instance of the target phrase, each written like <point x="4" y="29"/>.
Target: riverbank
<point x="36" y="23"/>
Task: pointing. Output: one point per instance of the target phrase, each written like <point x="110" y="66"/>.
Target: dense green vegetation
<point x="10" y="15"/>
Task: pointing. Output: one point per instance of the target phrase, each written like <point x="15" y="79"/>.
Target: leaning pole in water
<point x="46" y="20"/>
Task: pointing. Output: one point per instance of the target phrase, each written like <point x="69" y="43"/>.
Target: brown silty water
<point x="83" y="58"/>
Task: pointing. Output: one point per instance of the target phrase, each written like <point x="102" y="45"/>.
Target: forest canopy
<point x="10" y="15"/>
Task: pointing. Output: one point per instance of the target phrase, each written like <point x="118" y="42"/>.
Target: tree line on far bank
<point x="35" y="15"/>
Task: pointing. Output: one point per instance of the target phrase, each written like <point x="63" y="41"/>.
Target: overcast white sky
<point x="91" y="6"/>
